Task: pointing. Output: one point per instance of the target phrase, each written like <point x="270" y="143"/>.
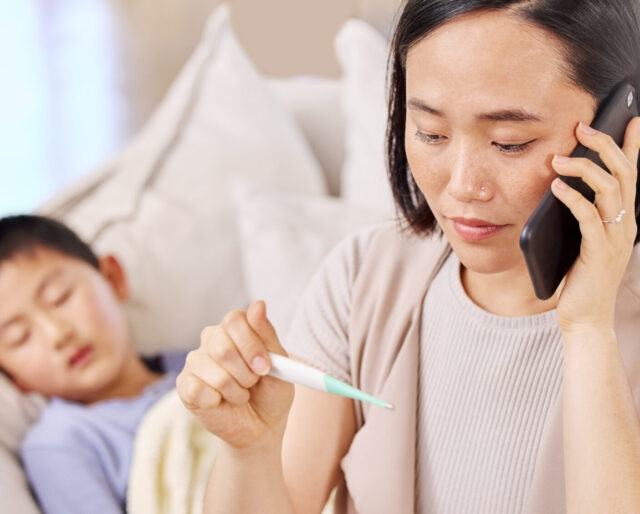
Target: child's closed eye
<point x="15" y="335"/>
<point x="62" y="297"/>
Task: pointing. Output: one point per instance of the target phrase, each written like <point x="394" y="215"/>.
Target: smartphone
<point x="550" y="240"/>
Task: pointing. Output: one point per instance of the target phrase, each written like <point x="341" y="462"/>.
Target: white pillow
<point x="285" y="237"/>
<point x="165" y="210"/>
<point x="18" y="412"/>
<point x="315" y="103"/>
<point x="362" y="53"/>
<point x="14" y="491"/>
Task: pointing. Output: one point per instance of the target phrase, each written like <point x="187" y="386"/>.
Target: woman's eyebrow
<point x="500" y="115"/>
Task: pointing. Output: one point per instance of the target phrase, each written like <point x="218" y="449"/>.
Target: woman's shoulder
<point x="391" y="245"/>
<point x="390" y="236"/>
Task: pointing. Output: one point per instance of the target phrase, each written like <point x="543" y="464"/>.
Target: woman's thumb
<point x="257" y="318"/>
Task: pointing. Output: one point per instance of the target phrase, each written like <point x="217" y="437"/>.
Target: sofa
<point x="234" y="190"/>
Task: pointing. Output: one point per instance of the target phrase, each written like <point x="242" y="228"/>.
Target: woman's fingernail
<point x="587" y="129"/>
<point x="560" y="158"/>
<point x="259" y="365"/>
<point x="560" y="184"/>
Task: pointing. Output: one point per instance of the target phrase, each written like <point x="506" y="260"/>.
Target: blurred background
<point x="79" y="78"/>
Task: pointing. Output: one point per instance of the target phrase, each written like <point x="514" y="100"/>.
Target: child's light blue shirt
<point x="77" y="457"/>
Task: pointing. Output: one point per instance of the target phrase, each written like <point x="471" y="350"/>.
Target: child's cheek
<point x="99" y="316"/>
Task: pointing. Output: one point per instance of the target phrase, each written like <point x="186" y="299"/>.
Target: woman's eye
<point x="505" y="148"/>
<point x="513" y="148"/>
<point x="428" y="138"/>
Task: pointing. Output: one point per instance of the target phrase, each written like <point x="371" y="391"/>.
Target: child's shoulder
<point x="173" y="361"/>
<point x="59" y="424"/>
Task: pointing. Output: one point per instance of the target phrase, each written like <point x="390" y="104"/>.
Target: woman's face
<point x="488" y="105"/>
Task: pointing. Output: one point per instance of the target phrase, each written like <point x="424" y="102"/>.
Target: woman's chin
<point x="488" y="259"/>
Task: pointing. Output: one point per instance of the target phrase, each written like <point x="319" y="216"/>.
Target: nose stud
<point x="484" y="193"/>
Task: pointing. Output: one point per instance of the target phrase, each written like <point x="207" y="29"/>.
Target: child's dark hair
<point x="23" y="234"/>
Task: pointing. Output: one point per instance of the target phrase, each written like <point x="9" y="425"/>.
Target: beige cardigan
<point x="384" y="330"/>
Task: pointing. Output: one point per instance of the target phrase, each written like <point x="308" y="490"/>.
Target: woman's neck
<point x="508" y="293"/>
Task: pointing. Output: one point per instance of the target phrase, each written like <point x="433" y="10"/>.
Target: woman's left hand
<point x="588" y="298"/>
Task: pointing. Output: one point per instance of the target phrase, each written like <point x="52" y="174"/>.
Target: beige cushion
<point x="284" y="239"/>
<point x="362" y="53"/>
<point x="315" y="103"/>
<point x="18" y="412"/>
<point x="14" y="492"/>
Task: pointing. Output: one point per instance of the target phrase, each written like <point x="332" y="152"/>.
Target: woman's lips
<point x="473" y="229"/>
<point x="80" y="357"/>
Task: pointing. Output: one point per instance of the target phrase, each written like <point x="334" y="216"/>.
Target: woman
<point x="483" y="95"/>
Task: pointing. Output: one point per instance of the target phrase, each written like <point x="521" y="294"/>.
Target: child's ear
<point x="114" y="273"/>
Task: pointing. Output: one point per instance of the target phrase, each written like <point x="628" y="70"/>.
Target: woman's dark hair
<point x="601" y="43"/>
<point x="23" y="234"/>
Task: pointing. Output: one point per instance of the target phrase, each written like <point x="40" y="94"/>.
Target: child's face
<point x="62" y="329"/>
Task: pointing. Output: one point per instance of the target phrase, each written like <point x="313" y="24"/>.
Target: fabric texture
<point x="487" y="385"/>
<point x="319" y="333"/>
<point x="284" y="237"/>
<point x="389" y="281"/>
<point x="315" y="103"/>
<point x="390" y="370"/>
<point x="172" y="459"/>
<point x="19" y="411"/>
<point x="362" y="53"/>
<point x="77" y="457"/>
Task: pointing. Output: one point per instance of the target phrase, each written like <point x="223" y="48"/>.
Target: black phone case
<point x="550" y="240"/>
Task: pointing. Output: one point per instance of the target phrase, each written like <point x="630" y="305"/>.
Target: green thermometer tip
<point x="335" y="386"/>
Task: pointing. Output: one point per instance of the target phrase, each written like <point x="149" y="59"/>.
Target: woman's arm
<point x="601" y="430"/>
<point x="601" y="427"/>
<point x="319" y="432"/>
<point x="248" y="480"/>
<point x="295" y="476"/>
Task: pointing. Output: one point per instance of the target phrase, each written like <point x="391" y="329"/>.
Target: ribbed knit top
<point x="487" y="383"/>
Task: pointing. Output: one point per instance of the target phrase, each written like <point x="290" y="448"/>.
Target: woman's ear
<point x="114" y="274"/>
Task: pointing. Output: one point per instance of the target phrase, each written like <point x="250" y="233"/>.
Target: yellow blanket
<point x="172" y="458"/>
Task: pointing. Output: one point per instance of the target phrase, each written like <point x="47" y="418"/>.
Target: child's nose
<point x="55" y="330"/>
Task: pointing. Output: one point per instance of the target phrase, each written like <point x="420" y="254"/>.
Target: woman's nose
<point x="467" y="179"/>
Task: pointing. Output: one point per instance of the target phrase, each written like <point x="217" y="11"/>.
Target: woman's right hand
<point x="224" y="385"/>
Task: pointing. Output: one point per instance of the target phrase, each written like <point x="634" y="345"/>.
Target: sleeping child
<point x="64" y="334"/>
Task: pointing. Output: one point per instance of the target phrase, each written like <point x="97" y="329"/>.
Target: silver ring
<point x="617" y="219"/>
